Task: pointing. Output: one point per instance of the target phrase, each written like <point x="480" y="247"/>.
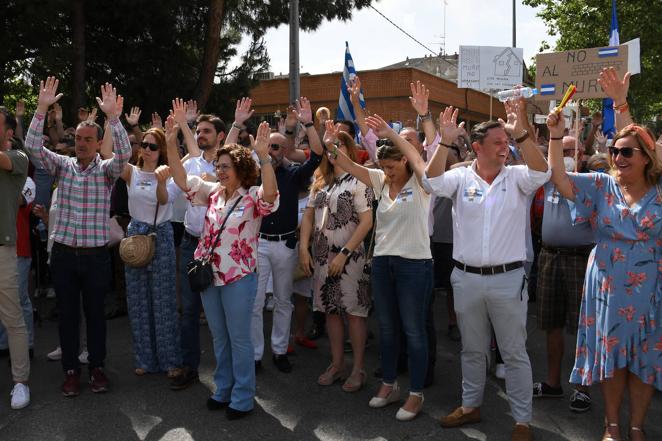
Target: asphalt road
<point x="288" y="407"/>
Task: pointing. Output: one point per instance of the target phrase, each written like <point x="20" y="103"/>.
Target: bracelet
<point x="522" y="138"/>
<point x="622" y="108"/>
<point x="309" y="125"/>
<point x="426" y="116"/>
<point x="289" y="132"/>
<point x="449" y="146"/>
<point x="265" y="161"/>
<point x="552" y="138"/>
<point x="237" y="126"/>
<point x="346" y="251"/>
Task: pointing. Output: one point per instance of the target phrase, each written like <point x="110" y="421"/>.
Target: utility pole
<point x="294" y="51"/>
<point x="514" y="24"/>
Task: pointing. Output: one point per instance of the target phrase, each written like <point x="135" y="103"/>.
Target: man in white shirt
<point x="490" y="202"/>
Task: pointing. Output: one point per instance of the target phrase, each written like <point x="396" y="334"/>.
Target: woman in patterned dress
<point x="619" y="341"/>
<point x="339" y="215"/>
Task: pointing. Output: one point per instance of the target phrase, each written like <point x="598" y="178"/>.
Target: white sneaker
<point x="55" y="355"/>
<point x="500" y="371"/>
<point x="20" y="396"/>
<point x="83" y="357"/>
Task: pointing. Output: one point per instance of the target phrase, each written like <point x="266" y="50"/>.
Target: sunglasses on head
<point x="153" y="147"/>
<point x="274" y="146"/>
<point x="625" y="152"/>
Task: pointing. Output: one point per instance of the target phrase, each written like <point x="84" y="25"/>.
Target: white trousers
<point x="276" y="259"/>
<point x="502" y="301"/>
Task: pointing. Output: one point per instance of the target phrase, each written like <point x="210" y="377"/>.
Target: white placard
<point x="634" y="60"/>
<point x="490" y="67"/>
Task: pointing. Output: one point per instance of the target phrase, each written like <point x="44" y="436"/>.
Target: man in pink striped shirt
<point x="80" y="262"/>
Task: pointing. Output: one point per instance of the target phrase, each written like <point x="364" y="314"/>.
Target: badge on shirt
<point x="472" y="194"/>
<point x="405" y="195"/>
<point x="144" y="184"/>
<point x="554" y="197"/>
<point x="238" y="212"/>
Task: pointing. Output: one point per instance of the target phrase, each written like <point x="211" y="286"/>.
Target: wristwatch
<point x="237" y="126"/>
<point x="265" y="161"/>
<point x="345" y="251"/>
<point x="308" y="124"/>
<point x="522" y="137"/>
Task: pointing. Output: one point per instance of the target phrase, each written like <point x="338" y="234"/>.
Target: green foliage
<point x="586" y="23"/>
<point x="151" y="50"/>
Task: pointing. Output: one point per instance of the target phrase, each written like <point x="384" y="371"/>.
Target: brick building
<point x="386" y="93"/>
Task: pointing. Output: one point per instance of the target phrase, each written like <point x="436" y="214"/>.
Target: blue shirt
<point x="291" y="180"/>
<point x="558" y="229"/>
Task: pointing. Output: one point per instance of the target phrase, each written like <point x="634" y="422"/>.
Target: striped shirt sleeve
<point x="121" y="150"/>
<point x="34" y="144"/>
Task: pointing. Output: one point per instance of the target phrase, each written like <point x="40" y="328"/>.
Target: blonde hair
<point x="644" y="137"/>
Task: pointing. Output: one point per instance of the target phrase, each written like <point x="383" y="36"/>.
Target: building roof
<point x="443" y="66"/>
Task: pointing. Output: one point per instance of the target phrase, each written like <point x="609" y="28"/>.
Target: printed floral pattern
<point x="336" y="217"/>
<point x="620" y="323"/>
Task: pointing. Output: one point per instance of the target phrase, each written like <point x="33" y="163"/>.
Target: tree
<point x="152" y="50"/>
<point x="586" y="23"/>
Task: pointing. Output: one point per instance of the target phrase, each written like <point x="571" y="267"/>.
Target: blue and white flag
<point x="345" y="107"/>
<point x="608" y="118"/>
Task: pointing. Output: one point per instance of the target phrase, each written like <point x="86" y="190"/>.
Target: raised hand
<point x="281" y="126"/>
<point x="354" y="89"/>
<point x="162" y="173"/>
<point x="57" y="109"/>
<point x="291" y="119"/>
<point x="261" y="141"/>
<point x="179" y="109"/>
<point x="243" y="110"/>
<point x="48" y="94"/>
<point x="601" y="138"/>
<point x="516" y="117"/>
<point x="110" y="103"/>
<point x="555" y="124"/>
<point x="419" y="97"/>
<point x="134" y="116"/>
<point x="614" y="87"/>
<point x="303" y="110"/>
<point x="157" y="122"/>
<point x="448" y="127"/>
<point x="331" y="132"/>
<point x="379" y="126"/>
<point x="92" y="115"/>
<point x="20" y="109"/>
<point x="192" y="112"/>
<point x="171" y="130"/>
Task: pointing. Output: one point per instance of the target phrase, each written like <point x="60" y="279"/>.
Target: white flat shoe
<point x="392" y="397"/>
<point x="405" y="415"/>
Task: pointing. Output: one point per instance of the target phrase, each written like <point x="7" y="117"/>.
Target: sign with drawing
<point x="555" y="72"/>
<point x="490" y="67"/>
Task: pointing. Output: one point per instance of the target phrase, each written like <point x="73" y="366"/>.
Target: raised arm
<point x="106" y="148"/>
<point x="34" y="141"/>
<point x="449" y="131"/>
<point x="354" y="89"/>
<point x="381" y="129"/>
<point x="518" y="127"/>
<point x="111" y="104"/>
<point x="337" y="157"/>
<point x="242" y="113"/>
<point x="261" y="146"/>
<point x="179" y="110"/>
<point x="556" y="126"/>
<point x="617" y="90"/>
<point x="305" y="116"/>
<point x="19" y="114"/>
<point x="177" y="170"/>
<point x="419" y="101"/>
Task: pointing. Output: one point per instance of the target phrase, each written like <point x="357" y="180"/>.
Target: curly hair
<point x="242" y="161"/>
<point x="646" y="141"/>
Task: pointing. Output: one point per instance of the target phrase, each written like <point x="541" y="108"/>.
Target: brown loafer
<point x="458" y="418"/>
<point x="522" y="433"/>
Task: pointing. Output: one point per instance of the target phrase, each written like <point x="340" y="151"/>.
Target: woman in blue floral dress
<point x="619" y="341"/>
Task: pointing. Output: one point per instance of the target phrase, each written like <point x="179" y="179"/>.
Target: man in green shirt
<point x="13" y="172"/>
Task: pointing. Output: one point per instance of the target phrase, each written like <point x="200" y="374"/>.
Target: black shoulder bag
<point x="200" y="272"/>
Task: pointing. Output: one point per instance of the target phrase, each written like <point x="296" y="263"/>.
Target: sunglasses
<point x="274" y="146"/>
<point x="625" y="152"/>
<point x="153" y="147"/>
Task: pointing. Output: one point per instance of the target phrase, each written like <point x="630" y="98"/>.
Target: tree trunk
<point x="78" y="61"/>
<point x="212" y="51"/>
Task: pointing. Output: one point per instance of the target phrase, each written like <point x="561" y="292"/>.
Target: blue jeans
<point x="191" y="307"/>
<point x="402" y="289"/>
<point x="26" y="304"/>
<point x="228" y="310"/>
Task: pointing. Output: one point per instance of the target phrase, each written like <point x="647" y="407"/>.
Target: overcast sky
<point x="375" y="43"/>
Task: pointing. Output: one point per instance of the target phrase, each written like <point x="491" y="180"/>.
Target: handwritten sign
<point x="555" y="72"/>
<point x="489" y="67"/>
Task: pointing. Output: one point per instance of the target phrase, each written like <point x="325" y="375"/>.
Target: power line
<point x="402" y="30"/>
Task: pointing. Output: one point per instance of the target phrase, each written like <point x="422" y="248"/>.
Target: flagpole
<point x="294" y="51"/>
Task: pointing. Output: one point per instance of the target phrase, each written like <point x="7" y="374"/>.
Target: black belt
<point x="278" y="237"/>
<point x="488" y="270"/>
<point x="189" y="236"/>
<point x="79" y="251"/>
<point x="580" y="251"/>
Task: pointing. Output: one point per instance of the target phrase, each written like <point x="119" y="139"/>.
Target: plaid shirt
<point x="84" y="195"/>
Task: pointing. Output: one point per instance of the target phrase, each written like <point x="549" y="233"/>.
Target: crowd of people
<point x="341" y="216"/>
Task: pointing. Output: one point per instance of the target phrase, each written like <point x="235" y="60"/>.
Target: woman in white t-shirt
<point x="150" y="290"/>
<point x="402" y="264"/>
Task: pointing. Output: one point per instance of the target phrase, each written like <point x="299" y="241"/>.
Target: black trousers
<point x="88" y="273"/>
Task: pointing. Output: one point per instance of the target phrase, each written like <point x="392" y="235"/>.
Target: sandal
<point x="637" y="429"/>
<point x="355" y="381"/>
<point x="607" y="435"/>
<point x="139" y="371"/>
<point x="331" y="375"/>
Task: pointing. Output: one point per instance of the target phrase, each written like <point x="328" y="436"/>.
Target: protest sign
<point x="555" y="72"/>
<point x="489" y="67"/>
